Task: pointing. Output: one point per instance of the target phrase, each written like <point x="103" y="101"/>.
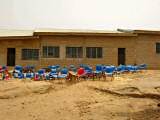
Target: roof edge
<point x="146" y="32"/>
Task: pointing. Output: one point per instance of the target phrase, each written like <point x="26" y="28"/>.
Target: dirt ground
<point x="129" y="97"/>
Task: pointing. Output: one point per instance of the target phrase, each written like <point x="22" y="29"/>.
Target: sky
<point x="80" y="14"/>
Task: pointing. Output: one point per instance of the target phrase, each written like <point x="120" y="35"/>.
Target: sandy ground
<point x="128" y="97"/>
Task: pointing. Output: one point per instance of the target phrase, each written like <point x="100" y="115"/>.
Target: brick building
<point x="54" y="46"/>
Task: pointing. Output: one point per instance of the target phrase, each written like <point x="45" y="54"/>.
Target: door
<point x="121" y="56"/>
<point x="11" y="56"/>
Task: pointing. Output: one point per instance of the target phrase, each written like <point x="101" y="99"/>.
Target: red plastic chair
<point x="1" y="69"/>
<point x="81" y="73"/>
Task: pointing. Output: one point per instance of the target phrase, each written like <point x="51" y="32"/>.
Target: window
<point x="158" y="48"/>
<point x="74" y="52"/>
<point x="51" y="51"/>
<point x="30" y="54"/>
<point x="94" y="52"/>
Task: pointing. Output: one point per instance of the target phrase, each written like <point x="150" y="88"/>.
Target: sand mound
<point x="129" y="90"/>
<point x="157" y="89"/>
<point x="19" y="88"/>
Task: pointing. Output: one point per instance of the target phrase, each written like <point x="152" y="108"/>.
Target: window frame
<point x="54" y="49"/>
<point x="94" y="52"/>
<point x="29" y="54"/>
<point x="77" y="52"/>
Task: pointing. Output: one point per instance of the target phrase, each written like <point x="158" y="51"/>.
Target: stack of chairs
<point x="4" y="74"/>
<point x="54" y="71"/>
<point x="29" y="72"/>
<point x="121" y="69"/>
<point x="99" y="71"/>
<point x="142" y="66"/>
<point x="89" y="72"/>
<point x="131" y="68"/>
<point x="18" y="72"/>
<point x="82" y="71"/>
<point x="63" y="73"/>
<point x="40" y="75"/>
<point x="72" y="68"/>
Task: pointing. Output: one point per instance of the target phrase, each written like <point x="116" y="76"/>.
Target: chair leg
<point x="112" y="78"/>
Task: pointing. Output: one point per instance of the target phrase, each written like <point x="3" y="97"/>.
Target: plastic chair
<point x="53" y="74"/>
<point x="121" y="69"/>
<point x="41" y="73"/>
<point x="63" y="73"/>
<point x="99" y="69"/>
<point x="132" y="68"/>
<point x="81" y="73"/>
<point x="142" y="66"/>
<point x="109" y="70"/>
<point x="89" y="72"/>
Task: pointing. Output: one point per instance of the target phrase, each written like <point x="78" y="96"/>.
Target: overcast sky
<point x="80" y="14"/>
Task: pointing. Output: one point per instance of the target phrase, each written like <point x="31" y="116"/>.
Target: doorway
<point x="121" y="56"/>
<point x="11" y="56"/>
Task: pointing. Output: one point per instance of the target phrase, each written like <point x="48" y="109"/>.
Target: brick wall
<point x="139" y="49"/>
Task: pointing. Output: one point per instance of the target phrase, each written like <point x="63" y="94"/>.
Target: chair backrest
<point x="99" y="67"/>
<point x="72" y="68"/>
<point x="53" y="67"/>
<point x="4" y="67"/>
<point x="81" y="65"/>
<point x="88" y="69"/>
<point x="57" y="66"/>
<point x="41" y="71"/>
<point x="54" y="71"/>
<point x="109" y="69"/>
<point x="129" y="67"/>
<point x="18" y="68"/>
<point x="142" y="66"/>
<point x="121" y="68"/>
<point x="64" y="71"/>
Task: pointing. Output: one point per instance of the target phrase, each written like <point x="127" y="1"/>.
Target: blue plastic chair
<point x="41" y="71"/>
<point x="4" y="67"/>
<point x="142" y="66"/>
<point x="72" y="68"/>
<point x="88" y="69"/>
<point x="64" y="73"/>
<point x="130" y="68"/>
<point x="53" y="67"/>
<point x="53" y="74"/>
<point x="99" y="69"/>
<point x="121" y="69"/>
<point x="30" y="75"/>
<point x="20" y="75"/>
<point x="57" y="66"/>
<point x="18" y="68"/>
<point x="18" y="72"/>
<point x="109" y="70"/>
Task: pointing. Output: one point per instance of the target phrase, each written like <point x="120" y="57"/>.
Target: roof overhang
<point x="82" y="34"/>
<point x="18" y="37"/>
<point x="147" y="32"/>
<point x="154" y="32"/>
